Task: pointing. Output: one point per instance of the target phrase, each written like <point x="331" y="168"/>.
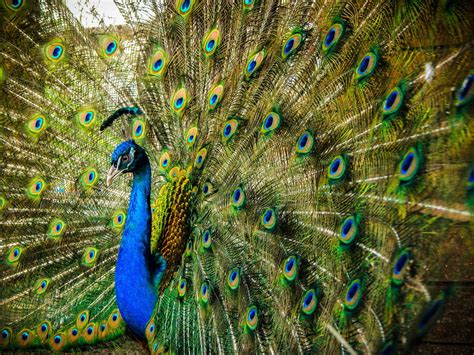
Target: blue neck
<point x="136" y="295"/>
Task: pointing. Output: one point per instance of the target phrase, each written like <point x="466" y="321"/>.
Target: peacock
<point x="233" y="176"/>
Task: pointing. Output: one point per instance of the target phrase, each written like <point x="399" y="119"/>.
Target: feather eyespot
<point x="366" y="66"/>
<point x="400" y="267"/>
<point x="90" y="256"/>
<point x="118" y="219"/>
<point x="54" y="51"/>
<point x="207" y="188"/>
<point x="211" y="41"/>
<point x="138" y="129"/>
<point x="189" y="248"/>
<point x="200" y="158"/>
<point x="409" y="165"/>
<point x="14" y="5"/>
<point x="291" y="45"/>
<point x="5" y="337"/>
<point x="42" y="285"/>
<point x="184" y="7"/>
<point x="271" y="123"/>
<point x="179" y="100"/>
<point x="89" y="177"/>
<point x="14" y="255"/>
<point x="206" y="239"/>
<point x="115" y="319"/>
<point x="215" y="95"/>
<point x="348" y="230"/>
<point x="182" y="286"/>
<point x="238" y="198"/>
<point x="43" y="330"/>
<point x="5" y="333"/>
<point x="159" y="349"/>
<point x="254" y="62"/>
<point x="109" y="45"/>
<point x="155" y="348"/>
<point x="24" y="338"/>
<point x="252" y="318"/>
<point x="305" y="143"/>
<point x="90" y="332"/>
<point x="464" y="93"/>
<point x="353" y="295"/>
<point x="165" y="161"/>
<point x="57" y="342"/>
<point x="150" y="330"/>
<point x="56" y="229"/>
<point x="309" y="302"/>
<point x="158" y="62"/>
<point x="86" y="117"/>
<point x="393" y="101"/>
<point x="248" y="4"/>
<point x="204" y="294"/>
<point x="103" y="330"/>
<point x="233" y="279"/>
<point x="72" y="335"/>
<point x="191" y="136"/>
<point x="82" y="319"/>
<point x="36" y="187"/>
<point x="229" y="129"/>
<point x="36" y="125"/>
<point x="337" y="168"/>
<point x="290" y="268"/>
<point x="269" y="219"/>
<point x="173" y="174"/>
<point x="333" y="36"/>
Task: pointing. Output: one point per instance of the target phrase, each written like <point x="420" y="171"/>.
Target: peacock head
<point x="128" y="157"/>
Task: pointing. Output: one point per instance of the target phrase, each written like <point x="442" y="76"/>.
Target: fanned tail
<point x="331" y="144"/>
<point x="312" y="169"/>
<point x="60" y="227"/>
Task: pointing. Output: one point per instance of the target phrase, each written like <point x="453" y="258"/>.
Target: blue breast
<point x="136" y="295"/>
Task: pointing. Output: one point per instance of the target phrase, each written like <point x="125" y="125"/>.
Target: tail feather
<point x="327" y="152"/>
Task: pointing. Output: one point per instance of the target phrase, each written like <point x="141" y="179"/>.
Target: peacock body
<point x="295" y="172"/>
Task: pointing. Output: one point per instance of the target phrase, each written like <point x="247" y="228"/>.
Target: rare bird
<point x="285" y="177"/>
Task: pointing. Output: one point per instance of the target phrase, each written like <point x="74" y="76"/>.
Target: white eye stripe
<point x="118" y="161"/>
<point x="131" y="155"/>
<point x="126" y="158"/>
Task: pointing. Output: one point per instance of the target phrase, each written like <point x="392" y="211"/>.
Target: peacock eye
<point x="125" y="158"/>
<point x="309" y="302"/>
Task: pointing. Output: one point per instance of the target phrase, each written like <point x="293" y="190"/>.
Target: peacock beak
<point x="112" y="174"/>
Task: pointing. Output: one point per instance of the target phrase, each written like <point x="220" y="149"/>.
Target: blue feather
<point x="134" y="283"/>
